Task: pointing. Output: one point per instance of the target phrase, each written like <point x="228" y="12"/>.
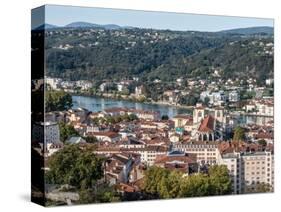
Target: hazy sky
<point x="62" y="15"/>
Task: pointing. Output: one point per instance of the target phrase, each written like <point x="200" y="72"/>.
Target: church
<point x="208" y="125"/>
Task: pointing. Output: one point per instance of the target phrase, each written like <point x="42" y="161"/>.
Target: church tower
<point x="219" y="115"/>
<point x="198" y="113"/>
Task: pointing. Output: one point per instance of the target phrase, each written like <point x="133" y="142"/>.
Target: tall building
<point x="46" y="132"/>
<point x="248" y="170"/>
<point x="198" y="114"/>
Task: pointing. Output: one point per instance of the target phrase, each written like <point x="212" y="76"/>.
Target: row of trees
<point x="115" y="119"/>
<point x="163" y="183"/>
<point x="66" y="131"/>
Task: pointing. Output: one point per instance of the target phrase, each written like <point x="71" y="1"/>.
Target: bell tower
<point x="198" y="113"/>
<point x="219" y="114"/>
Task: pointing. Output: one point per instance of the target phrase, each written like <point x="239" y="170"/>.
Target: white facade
<point x="215" y="98"/>
<point x="54" y="83"/>
<point x="233" y="96"/>
<point x="207" y="153"/>
<point x="198" y="114"/>
<point x="247" y="170"/>
<point x="84" y="84"/>
<point x="265" y="109"/>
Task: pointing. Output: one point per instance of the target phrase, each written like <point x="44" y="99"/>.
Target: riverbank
<point x="110" y="97"/>
<point x="97" y="103"/>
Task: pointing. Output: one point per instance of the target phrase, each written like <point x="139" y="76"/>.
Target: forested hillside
<point x="94" y="53"/>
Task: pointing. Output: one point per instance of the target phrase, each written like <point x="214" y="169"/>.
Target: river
<point x="96" y="104"/>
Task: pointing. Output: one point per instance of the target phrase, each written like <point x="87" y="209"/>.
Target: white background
<point x="15" y="104"/>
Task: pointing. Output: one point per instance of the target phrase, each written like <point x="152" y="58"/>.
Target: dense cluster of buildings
<point x="187" y="143"/>
<point x="210" y="92"/>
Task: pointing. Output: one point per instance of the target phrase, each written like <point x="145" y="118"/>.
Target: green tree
<point x="76" y="167"/>
<point x="195" y="186"/>
<point x="262" y="142"/>
<point x="66" y="131"/>
<point x="239" y="134"/>
<point x="153" y="180"/>
<point x="57" y="101"/>
<point x="219" y="180"/>
<point x="163" y="183"/>
<point x="206" y="100"/>
<point x="91" y="139"/>
<point x="171" y="185"/>
<point x="106" y="193"/>
<point x="259" y="188"/>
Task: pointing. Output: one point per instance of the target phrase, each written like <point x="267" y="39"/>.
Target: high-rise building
<point x="46" y="132"/>
<point x="248" y="170"/>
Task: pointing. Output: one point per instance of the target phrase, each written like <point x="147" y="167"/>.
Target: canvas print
<point x="138" y="105"/>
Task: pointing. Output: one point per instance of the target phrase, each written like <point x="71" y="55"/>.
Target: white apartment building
<point x="84" y="84"/>
<point x="207" y="152"/>
<point x="54" y="83"/>
<point x="247" y="170"/>
<point x="215" y="98"/>
<point x="265" y="109"/>
<point x="233" y="96"/>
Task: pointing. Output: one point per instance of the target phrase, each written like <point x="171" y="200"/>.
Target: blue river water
<point x="96" y="104"/>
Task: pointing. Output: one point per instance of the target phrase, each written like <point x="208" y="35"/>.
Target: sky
<point x="62" y="15"/>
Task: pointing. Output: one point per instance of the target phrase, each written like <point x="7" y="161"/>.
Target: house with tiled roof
<point x="106" y="136"/>
<point x="118" y="167"/>
<point x="176" y="160"/>
<point x="182" y="119"/>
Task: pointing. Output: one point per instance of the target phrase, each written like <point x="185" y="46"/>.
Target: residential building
<point x="249" y="169"/>
<point x="46" y="132"/>
<point x="106" y="136"/>
<point x="206" y="152"/>
<point x="179" y="161"/>
<point x="233" y="96"/>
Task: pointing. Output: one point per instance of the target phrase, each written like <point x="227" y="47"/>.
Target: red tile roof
<point x="207" y="124"/>
<point x="160" y="159"/>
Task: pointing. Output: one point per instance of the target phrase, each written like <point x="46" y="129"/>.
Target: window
<point x="218" y="114"/>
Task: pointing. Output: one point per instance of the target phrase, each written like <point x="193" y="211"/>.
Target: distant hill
<point x="250" y="30"/>
<point x="81" y="24"/>
<point x="45" y="26"/>
<point x="91" y="25"/>
<point x="167" y="56"/>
